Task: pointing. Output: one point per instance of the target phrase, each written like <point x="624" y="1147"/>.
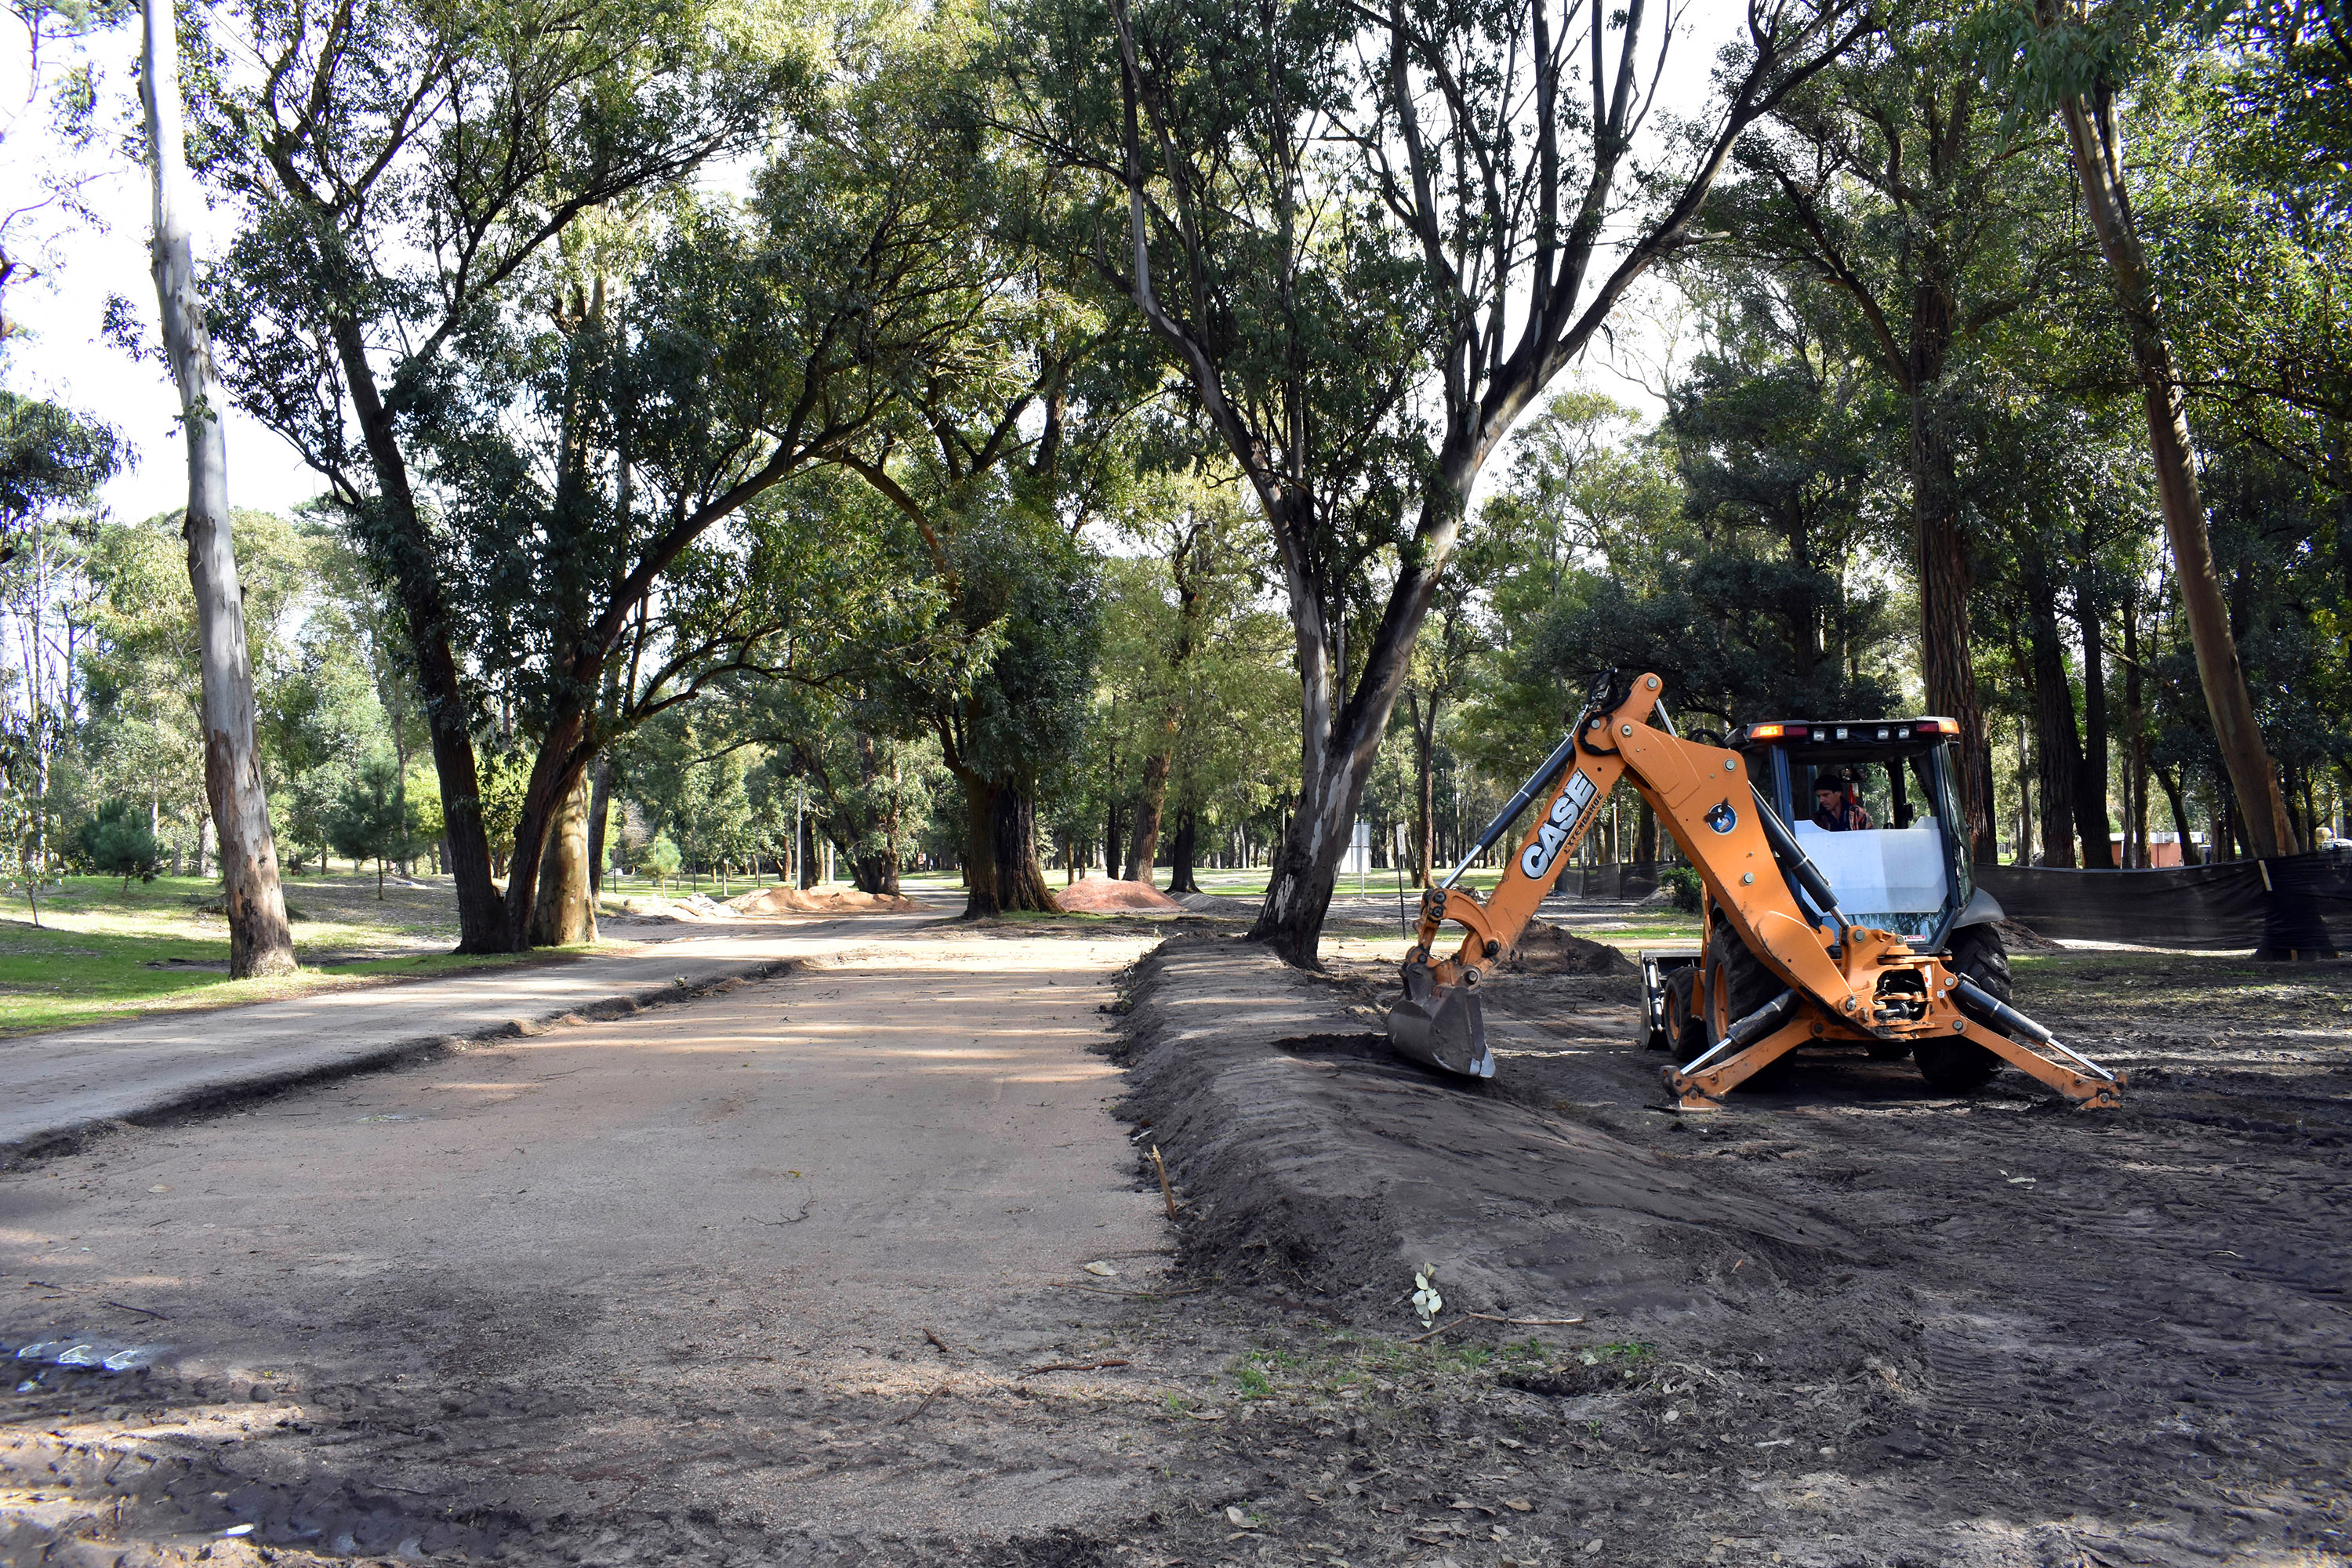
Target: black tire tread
<point x="1749" y="983"/>
<point x="1749" y="986"/>
<point x="1958" y="1065"/>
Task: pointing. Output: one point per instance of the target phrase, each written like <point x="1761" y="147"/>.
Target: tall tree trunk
<point x="876" y="869"/>
<point x="1424" y="786"/>
<point x="600" y="811"/>
<point x="397" y="541"/>
<point x="1181" y="849"/>
<point x="555" y="773"/>
<point x="1338" y="753"/>
<point x="2136" y="747"/>
<point x="2225" y="817"/>
<point x="2091" y="779"/>
<point x="564" y="910"/>
<point x="2058" y="747"/>
<point x="979" y="845"/>
<point x="260" y="939"/>
<point x="1944" y="579"/>
<point x="2171" y="784"/>
<point x="1013" y="845"/>
<point x="1144" y="847"/>
<point x="2024" y="789"/>
<point x="1111" y="839"/>
<point x="2097" y="145"/>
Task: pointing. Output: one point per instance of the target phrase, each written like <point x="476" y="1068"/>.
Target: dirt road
<point x="58" y="1087"/>
<point x="775" y="1272"/>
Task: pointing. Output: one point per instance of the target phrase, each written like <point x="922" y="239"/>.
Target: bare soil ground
<point x="798" y="1275"/>
<point x="1851" y="1321"/>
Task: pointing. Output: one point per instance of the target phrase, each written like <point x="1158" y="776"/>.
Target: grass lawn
<point x="103" y="950"/>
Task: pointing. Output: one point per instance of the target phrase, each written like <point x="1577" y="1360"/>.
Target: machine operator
<point x="1834" y="806"/>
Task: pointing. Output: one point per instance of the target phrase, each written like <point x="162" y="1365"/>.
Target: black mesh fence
<point x="2293" y="908"/>
<point x="2290" y="908"/>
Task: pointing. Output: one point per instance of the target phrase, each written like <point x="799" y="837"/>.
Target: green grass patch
<point x="105" y="951"/>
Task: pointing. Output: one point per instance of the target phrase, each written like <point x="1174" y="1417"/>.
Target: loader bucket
<point x="1440" y="1026"/>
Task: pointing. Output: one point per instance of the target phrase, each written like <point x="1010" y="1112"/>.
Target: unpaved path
<point x="766" y="1275"/>
<point x="58" y="1087"/>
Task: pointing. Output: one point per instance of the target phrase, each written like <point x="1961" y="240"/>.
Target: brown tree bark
<point x="1152" y="799"/>
<point x="399" y="535"/>
<point x="600" y="811"/>
<point x="1946" y="578"/>
<point x="2058" y="747"/>
<point x="1181" y="850"/>
<point x="1013" y="842"/>
<point x="2136" y="748"/>
<point x="2174" y="798"/>
<point x="260" y="939"/>
<point x="563" y="913"/>
<point x="2096" y="142"/>
<point x="1423" y="722"/>
<point x="2091" y="780"/>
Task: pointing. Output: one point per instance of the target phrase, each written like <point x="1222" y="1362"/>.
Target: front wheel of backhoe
<point x="1956" y="1064"/>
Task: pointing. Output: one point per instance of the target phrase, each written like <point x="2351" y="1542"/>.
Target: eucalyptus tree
<point x="2077" y="61"/>
<point x="260" y="941"/>
<point x="551" y="497"/>
<point x="1369" y="238"/>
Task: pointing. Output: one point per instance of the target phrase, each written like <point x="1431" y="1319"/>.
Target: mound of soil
<point x="1310" y="1153"/>
<point x="2019" y="937"/>
<point x="1546" y="948"/>
<point x="1102" y="896"/>
<point x="783" y="900"/>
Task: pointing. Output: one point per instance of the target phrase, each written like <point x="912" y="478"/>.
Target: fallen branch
<point x="143" y="1311"/>
<point x="794" y="1220"/>
<point x="1070" y="1366"/>
<point x="1098" y="1291"/>
<point x="1167" y="1193"/>
<point x="1439" y="1330"/>
<point x="918" y="1409"/>
<point x="945" y="1347"/>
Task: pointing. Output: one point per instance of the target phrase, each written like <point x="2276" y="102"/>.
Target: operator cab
<point x="1894" y="848"/>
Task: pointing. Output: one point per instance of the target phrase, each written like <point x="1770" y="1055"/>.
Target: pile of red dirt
<point x="1102" y="896"/>
<point x="782" y="901"/>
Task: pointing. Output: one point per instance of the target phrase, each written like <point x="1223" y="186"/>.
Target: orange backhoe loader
<point x="1917" y="967"/>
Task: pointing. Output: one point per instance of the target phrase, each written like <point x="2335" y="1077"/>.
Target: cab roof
<point x="1833" y="734"/>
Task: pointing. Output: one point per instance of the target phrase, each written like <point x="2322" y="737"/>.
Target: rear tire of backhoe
<point x="1958" y="1065"/>
<point x="1736" y="985"/>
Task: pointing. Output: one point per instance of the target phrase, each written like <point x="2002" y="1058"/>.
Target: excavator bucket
<point x="1440" y="1025"/>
